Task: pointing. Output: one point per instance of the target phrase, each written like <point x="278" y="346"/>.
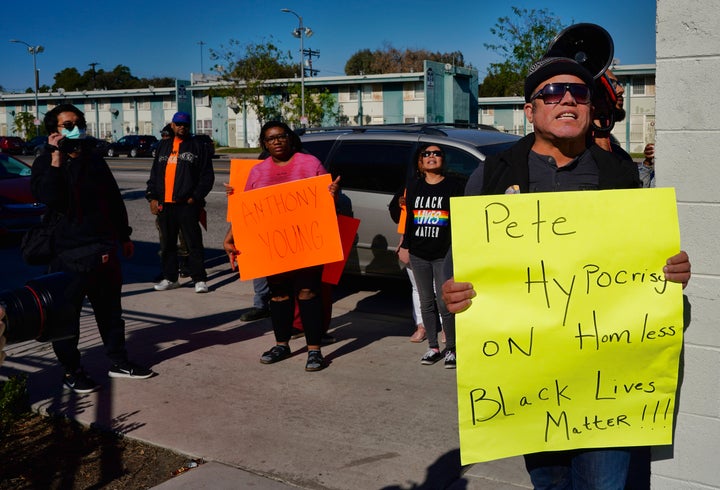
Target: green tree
<point x="392" y="60"/>
<point x="321" y="107"/>
<point x="24" y="123"/>
<point x="252" y="74"/>
<point x="68" y="79"/>
<point x="522" y="38"/>
<point x="359" y="63"/>
<point x="119" y="77"/>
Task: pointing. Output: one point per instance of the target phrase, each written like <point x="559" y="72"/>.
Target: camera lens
<point x="39" y="310"/>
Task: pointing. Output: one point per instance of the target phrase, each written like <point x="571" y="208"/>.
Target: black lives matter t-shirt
<point x="427" y="230"/>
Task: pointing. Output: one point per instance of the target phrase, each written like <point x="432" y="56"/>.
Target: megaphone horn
<point x="588" y="44"/>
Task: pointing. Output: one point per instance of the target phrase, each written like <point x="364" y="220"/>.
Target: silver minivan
<point x="375" y="162"/>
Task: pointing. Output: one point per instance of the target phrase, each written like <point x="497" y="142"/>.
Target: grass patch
<point x="225" y="149"/>
<point x="14" y="401"/>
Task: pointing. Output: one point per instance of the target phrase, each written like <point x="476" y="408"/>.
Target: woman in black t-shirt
<point x="426" y="244"/>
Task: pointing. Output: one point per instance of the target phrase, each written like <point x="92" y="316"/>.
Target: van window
<point x="372" y="166"/>
<point x="319" y="148"/>
<point x="459" y="162"/>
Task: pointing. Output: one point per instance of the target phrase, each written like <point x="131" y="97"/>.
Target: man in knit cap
<point x="559" y="156"/>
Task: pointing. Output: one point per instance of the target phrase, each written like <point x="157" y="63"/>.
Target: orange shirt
<point x="170" y="170"/>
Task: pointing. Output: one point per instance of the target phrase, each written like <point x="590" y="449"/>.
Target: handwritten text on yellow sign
<point x="574" y="336"/>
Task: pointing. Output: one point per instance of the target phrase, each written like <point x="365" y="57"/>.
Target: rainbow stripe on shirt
<point x="432" y="217"/>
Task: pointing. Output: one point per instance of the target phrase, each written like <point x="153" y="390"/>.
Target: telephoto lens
<point x="39" y="310"/>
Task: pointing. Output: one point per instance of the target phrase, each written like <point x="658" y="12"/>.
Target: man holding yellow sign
<point x="574" y="453"/>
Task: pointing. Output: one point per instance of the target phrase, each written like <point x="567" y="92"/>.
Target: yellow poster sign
<point x="574" y="336"/>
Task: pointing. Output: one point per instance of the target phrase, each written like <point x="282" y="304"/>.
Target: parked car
<point x="208" y="142"/>
<point x="18" y="209"/>
<point x="101" y="146"/>
<point x="153" y="148"/>
<point x="374" y="162"/>
<point x="134" y="145"/>
<point x="35" y="146"/>
<point x="203" y="137"/>
<point x="11" y="144"/>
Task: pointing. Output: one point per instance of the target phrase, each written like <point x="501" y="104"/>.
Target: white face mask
<point x="75" y="134"/>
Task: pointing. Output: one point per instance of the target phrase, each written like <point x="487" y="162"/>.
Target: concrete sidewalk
<point x="374" y="419"/>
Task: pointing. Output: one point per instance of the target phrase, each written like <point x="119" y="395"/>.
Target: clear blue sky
<point x="161" y="38"/>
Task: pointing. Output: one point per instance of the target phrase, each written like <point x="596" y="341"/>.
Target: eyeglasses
<point x="277" y="137"/>
<point x="182" y="124"/>
<point x="553" y="93"/>
<point x="69" y="125"/>
<point x="432" y="153"/>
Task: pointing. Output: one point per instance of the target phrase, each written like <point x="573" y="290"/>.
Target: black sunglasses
<point x="433" y="153"/>
<point x="553" y="93"/>
<point x="69" y="125"/>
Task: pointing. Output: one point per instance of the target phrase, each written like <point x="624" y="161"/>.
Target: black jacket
<point x="194" y="175"/>
<point x="511" y="168"/>
<point x="84" y="191"/>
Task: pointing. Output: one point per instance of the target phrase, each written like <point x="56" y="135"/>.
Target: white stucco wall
<point x="687" y="158"/>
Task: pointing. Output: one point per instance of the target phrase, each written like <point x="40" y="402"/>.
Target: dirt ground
<point x="54" y="453"/>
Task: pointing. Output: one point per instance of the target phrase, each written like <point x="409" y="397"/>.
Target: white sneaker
<point x="201" y="287"/>
<point x="166" y="285"/>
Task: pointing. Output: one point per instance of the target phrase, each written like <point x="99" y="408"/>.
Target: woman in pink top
<point x="285" y="164"/>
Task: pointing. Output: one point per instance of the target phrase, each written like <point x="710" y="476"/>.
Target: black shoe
<point x="129" y="370"/>
<point x="79" y="382"/>
<point x="450" y="359"/>
<point x="276" y="354"/>
<point x="255" y="314"/>
<point x="315" y="361"/>
<point x="431" y="357"/>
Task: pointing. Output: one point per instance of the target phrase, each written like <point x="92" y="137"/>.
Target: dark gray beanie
<point x="546" y="68"/>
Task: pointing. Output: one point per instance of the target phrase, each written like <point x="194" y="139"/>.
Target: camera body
<point x="67" y="145"/>
<point x="39" y="310"/>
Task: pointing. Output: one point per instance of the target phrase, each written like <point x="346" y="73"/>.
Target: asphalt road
<point x="132" y="174"/>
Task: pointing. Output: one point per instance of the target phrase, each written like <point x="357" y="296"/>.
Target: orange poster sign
<point x="239" y="171"/>
<point x="286" y="227"/>
<point x="348" y="229"/>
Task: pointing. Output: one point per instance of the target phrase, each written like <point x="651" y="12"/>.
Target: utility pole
<point x="201" y="43"/>
<point x="93" y="65"/>
<point x="309" y="71"/>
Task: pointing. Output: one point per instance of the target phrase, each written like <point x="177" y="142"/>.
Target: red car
<point x="11" y="144"/>
<point x="18" y="208"/>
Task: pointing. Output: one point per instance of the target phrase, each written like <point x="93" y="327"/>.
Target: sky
<point x="163" y="39"/>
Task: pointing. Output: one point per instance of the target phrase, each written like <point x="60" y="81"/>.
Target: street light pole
<point x="301" y="32"/>
<point x="34" y="50"/>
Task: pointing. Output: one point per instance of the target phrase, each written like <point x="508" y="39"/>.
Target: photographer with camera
<point x="82" y="196"/>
